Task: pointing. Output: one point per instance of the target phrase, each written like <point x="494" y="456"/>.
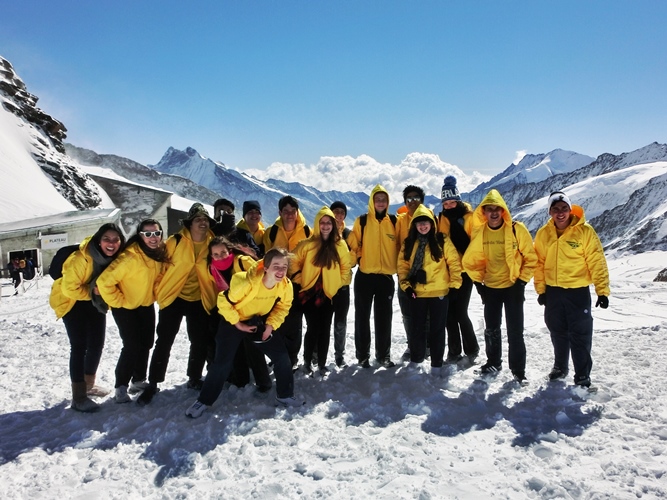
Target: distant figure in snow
<point x="569" y="259"/>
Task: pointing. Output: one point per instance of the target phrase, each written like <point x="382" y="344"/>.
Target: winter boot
<point x="80" y="401"/>
<point x="94" y="390"/>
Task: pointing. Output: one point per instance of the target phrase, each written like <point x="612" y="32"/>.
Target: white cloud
<point x="519" y="156"/>
<point x="346" y="173"/>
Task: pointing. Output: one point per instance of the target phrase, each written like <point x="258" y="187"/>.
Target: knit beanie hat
<point x="558" y="196"/>
<point x="249" y="205"/>
<point x="449" y="189"/>
<point x="339" y="204"/>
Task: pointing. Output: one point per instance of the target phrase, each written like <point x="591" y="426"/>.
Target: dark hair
<point x="109" y="226"/>
<point x="435" y="242"/>
<point x="274" y="253"/>
<point x="223" y="201"/>
<point x="232" y="246"/>
<point x="287" y="200"/>
<point x="160" y="253"/>
<point x="327" y="254"/>
<point x="413" y="189"/>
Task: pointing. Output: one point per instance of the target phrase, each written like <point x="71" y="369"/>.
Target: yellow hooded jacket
<point x="378" y="252"/>
<point x="282" y="241"/>
<point x="182" y="256"/>
<point x="574" y="260"/>
<point x="519" y="252"/>
<point x="441" y="275"/>
<point x="73" y="284"/>
<point x="248" y="297"/>
<point x="129" y="281"/>
<point x="306" y="274"/>
<point x="258" y="236"/>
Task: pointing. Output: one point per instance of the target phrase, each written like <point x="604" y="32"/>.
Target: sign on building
<point x="52" y="241"/>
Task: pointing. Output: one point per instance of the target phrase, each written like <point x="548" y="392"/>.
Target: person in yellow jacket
<point x="255" y="305"/>
<point x="374" y="241"/>
<point x="128" y="287"/>
<point x="455" y="222"/>
<point x="320" y="266"/>
<point x="75" y="298"/>
<point x="429" y="271"/>
<point x="413" y="197"/>
<point x="185" y="290"/>
<point x="288" y="230"/>
<point x="500" y="260"/>
<point x="252" y="224"/>
<point x="569" y="259"/>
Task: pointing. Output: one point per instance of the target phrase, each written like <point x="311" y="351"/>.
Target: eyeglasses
<point x="412" y="199"/>
<point x="150" y="234"/>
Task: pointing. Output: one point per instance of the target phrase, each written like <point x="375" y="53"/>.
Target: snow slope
<point x="364" y="433"/>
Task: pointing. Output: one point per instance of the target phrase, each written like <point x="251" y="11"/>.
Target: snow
<point x="377" y="433"/>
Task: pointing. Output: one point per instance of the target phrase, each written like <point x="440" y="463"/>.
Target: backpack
<point x="274" y="231"/>
<point x="363" y="220"/>
<point x="56" y="267"/>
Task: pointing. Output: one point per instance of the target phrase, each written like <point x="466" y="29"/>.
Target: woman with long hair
<point x="128" y="286"/>
<point x="428" y="271"/>
<point x="76" y="299"/>
<point x="320" y="266"/>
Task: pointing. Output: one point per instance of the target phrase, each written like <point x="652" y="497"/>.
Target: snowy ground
<point x="364" y="433"/>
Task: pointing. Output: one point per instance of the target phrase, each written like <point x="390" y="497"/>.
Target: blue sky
<point x="253" y="82"/>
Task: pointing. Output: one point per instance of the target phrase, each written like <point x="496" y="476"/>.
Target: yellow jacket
<point x="574" y="260"/>
<point x="73" y="285"/>
<point x="248" y="297"/>
<point x="282" y="241"/>
<point x="182" y="256"/>
<point x="441" y="275"/>
<point x="519" y="252"/>
<point x="129" y="281"/>
<point x="377" y="251"/>
<point x="258" y="236"/>
<point x="306" y="274"/>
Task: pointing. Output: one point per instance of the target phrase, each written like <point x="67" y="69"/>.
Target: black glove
<point x="410" y="293"/>
<point x="520" y="283"/>
<point x="420" y="276"/>
<point x="226" y="224"/>
<point x="481" y="290"/>
<point x="603" y="302"/>
<point x="542" y="299"/>
<point x="453" y="293"/>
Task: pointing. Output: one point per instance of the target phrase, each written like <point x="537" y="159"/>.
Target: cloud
<point x="361" y="174"/>
<point x="519" y="156"/>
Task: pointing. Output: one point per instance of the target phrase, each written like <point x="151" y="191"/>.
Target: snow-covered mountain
<point x="32" y="158"/>
<point x="531" y="169"/>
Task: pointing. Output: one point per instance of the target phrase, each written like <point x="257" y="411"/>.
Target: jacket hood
<point x="300" y="220"/>
<point x="316" y="225"/>
<point x="578" y="216"/>
<point x="493" y="197"/>
<point x="371" y="205"/>
<point x="423" y="211"/>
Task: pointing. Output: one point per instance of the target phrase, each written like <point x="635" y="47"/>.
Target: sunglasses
<point x="150" y="234"/>
<point x="412" y="199"/>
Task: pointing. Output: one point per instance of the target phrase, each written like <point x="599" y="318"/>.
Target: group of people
<point x="244" y="290"/>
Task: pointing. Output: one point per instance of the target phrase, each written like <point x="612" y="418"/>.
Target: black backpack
<point x="56" y="267"/>
<point x="364" y="218"/>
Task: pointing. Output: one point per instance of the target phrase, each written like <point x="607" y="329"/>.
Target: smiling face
<point x="380" y="202"/>
<point x="423" y="226"/>
<point x="560" y="213"/>
<point x="252" y="218"/>
<point x="326" y="226"/>
<point x="449" y="204"/>
<point x="288" y="215"/>
<point x="412" y="201"/>
<point x="494" y="216"/>
<point x="199" y="227"/>
<point x="277" y="270"/>
<point x="110" y="243"/>
<point x="153" y="241"/>
<point x="339" y="213"/>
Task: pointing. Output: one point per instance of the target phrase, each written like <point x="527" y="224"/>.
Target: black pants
<point x="201" y="340"/>
<point x="85" y="327"/>
<point x="459" y="325"/>
<point x="512" y="300"/>
<point x="318" y="331"/>
<point x="341" y="306"/>
<point x="137" y="330"/>
<point x="428" y="325"/>
<point x="567" y="314"/>
<point x="291" y="329"/>
<point x="406" y="312"/>
<point x="227" y="342"/>
<point x="376" y="291"/>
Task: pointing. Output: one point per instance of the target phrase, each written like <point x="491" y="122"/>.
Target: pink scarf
<point x="217" y="266"/>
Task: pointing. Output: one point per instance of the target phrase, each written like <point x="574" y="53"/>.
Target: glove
<point x="603" y="302"/>
<point x="520" y="283"/>
<point x="542" y="299"/>
<point x="420" y="276"/>
<point x="481" y="290"/>
<point x="410" y="293"/>
<point x="453" y="293"/>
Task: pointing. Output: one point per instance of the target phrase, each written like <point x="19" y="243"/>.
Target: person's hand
<point x="420" y="276"/>
<point x="603" y="302"/>
<point x="96" y="291"/>
<point x="542" y="299"/>
<point x="481" y="290"/>
<point x="453" y="293"/>
<point x="409" y="291"/>
<point x="245" y="328"/>
<point x="268" y="331"/>
<point x="520" y="283"/>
